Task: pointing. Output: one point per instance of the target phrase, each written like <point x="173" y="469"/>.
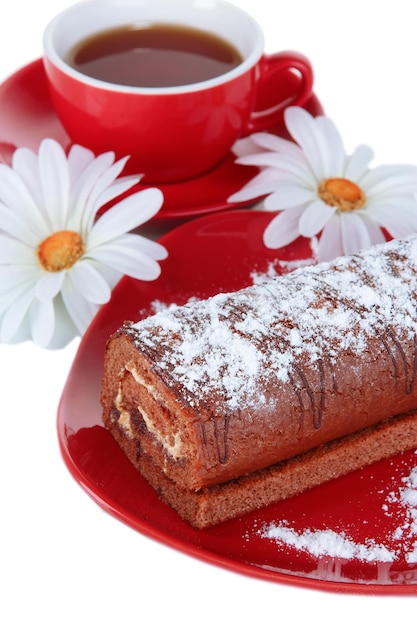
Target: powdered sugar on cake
<point x="227" y="344"/>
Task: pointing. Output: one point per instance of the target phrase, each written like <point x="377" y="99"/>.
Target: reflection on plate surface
<point x="223" y="252"/>
<point x="27" y="117"/>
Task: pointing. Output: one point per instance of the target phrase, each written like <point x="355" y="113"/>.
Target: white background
<point x="62" y="559"/>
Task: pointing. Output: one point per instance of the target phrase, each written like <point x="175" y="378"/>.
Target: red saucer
<point x="27" y="117"/>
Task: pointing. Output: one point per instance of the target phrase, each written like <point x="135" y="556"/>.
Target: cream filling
<point x="124" y="420"/>
<point x="141" y="381"/>
<point x="124" y="417"/>
<point x="175" y="449"/>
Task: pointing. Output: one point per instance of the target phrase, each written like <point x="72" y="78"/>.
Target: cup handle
<point x="270" y="67"/>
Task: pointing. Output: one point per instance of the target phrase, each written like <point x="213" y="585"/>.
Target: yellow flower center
<point x="60" y="250"/>
<point x="342" y="193"/>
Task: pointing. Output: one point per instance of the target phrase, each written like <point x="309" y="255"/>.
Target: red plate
<point x="220" y="252"/>
<point x="27" y="117"/>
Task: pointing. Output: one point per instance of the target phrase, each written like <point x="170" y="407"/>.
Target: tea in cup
<point x="172" y="83"/>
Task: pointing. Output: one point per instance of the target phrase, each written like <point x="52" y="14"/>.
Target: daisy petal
<point x="156" y="250"/>
<point x="125" y="216"/>
<point x="116" y="189"/>
<point x="399" y="217"/>
<point x="79" y="158"/>
<point x="357" y="163"/>
<point x="314" y="217"/>
<point x="79" y="309"/>
<point x="290" y="195"/>
<point x="335" y="156"/>
<point x="330" y="244"/>
<point x="42" y="322"/>
<point x="15" y="278"/>
<point x="134" y="263"/>
<point x="375" y="233"/>
<point x="20" y="227"/>
<point x="283" y="229"/>
<point x="245" y="146"/>
<point x="25" y="164"/>
<point x="147" y="246"/>
<point x="398" y="205"/>
<point x="391" y="179"/>
<point x="89" y="282"/>
<point x="14" y="251"/>
<point x="276" y="144"/>
<point x="49" y="285"/>
<point x="54" y="180"/>
<point x="263" y="159"/>
<point x="64" y="328"/>
<point x="14" y="315"/>
<point x="355" y="235"/>
<point x="83" y="187"/>
<point x="99" y="194"/>
<point x="13" y="191"/>
<point x="264" y="183"/>
<point x="109" y="274"/>
<point x="308" y="135"/>
<point x="293" y="167"/>
<point x="7" y="298"/>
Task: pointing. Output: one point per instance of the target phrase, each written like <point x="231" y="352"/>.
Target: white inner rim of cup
<point x="91" y="16"/>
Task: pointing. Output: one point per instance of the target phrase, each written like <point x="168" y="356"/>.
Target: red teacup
<point x="170" y="132"/>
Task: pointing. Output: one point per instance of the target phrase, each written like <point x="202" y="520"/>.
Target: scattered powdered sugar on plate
<point x="157" y="306"/>
<point x="328" y="542"/>
<point x="406" y="498"/>
<point x="278" y="268"/>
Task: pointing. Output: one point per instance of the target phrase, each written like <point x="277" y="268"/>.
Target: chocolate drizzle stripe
<point x="316" y="408"/>
<point x="333" y="296"/>
<point x="384" y="337"/>
<point x="203" y="433"/>
<point x="332" y="373"/>
<point x="300" y="400"/>
<point x="414" y="372"/>
<point x="403" y="358"/>
<point x="319" y="414"/>
<point x="221" y="427"/>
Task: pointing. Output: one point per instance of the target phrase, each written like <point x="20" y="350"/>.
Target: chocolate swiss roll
<point x="233" y="402"/>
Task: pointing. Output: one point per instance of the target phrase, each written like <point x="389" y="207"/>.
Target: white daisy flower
<point x="319" y="190"/>
<point x="58" y="263"/>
